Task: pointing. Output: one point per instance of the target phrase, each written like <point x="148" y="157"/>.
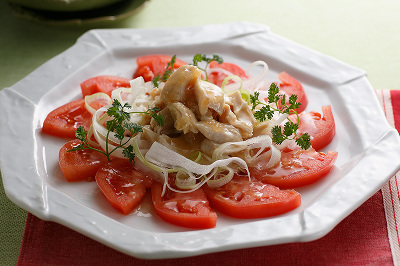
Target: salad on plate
<point x="202" y="137"/>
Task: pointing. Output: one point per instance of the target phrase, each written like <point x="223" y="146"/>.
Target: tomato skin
<point x="150" y="66"/>
<point x="244" y="199"/>
<point x="297" y="168"/>
<point x="218" y="78"/>
<point x="105" y="84"/>
<point x="64" y="120"/>
<point x="189" y="210"/>
<point x="289" y="86"/>
<point x="320" y="128"/>
<point x="79" y="165"/>
<point x="122" y="184"/>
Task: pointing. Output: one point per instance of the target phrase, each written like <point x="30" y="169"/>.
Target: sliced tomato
<point x="189" y="210"/>
<point x="79" y="165"/>
<point x="321" y="128"/>
<point x="64" y="120"/>
<point x="290" y="86"/>
<point x="297" y="168"/>
<point x="150" y="66"/>
<point x="244" y="199"/>
<point x="122" y="184"/>
<point x="105" y="84"/>
<point x="217" y="77"/>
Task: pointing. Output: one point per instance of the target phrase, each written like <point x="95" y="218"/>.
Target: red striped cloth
<point x="390" y="101"/>
<point x="369" y="236"/>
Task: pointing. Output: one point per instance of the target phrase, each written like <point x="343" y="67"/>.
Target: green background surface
<point x="365" y="34"/>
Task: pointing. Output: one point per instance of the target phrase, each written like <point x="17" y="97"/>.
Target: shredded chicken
<point x="192" y="105"/>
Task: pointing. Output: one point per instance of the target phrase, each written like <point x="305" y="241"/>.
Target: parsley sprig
<point x="169" y="69"/>
<point x="268" y="110"/>
<point x="198" y="58"/>
<point x="121" y="126"/>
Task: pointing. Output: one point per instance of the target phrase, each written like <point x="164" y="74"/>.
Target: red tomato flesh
<point x="217" y="77"/>
<point x="244" y="199"/>
<point x="79" y="165"/>
<point x="122" y="184"/>
<point x="297" y="168"/>
<point x="189" y="210"/>
<point x="64" y="120"/>
<point x="150" y="66"/>
<point x="290" y="86"/>
<point x="320" y="128"/>
<point x="105" y="84"/>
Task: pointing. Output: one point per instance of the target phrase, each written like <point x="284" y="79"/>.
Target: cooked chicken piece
<point x="218" y="132"/>
<point x="209" y="96"/>
<point x="237" y="113"/>
<point x="178" y="85"/>
<point x="184" y="118"/>
<point x="169" y="124"/>
<point x="196" y="106"/>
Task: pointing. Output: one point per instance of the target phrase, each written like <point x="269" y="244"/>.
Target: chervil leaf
<point x="169" y="69"/>
<point x="122" y="128"/>
<point x="290" y="128"/>
<point x="254" y="101"/>
<point x="277" y="104"/>
<point x="264" y="113"/>
<point x="277" y="135"/>
<point x="198" y="58"/>
<point x="292" y="102"/>
<point x="304" y="141"/>
<point x="133" y="128"/>
<point x="80" y="133"/>
<point x="119" y="132"/>
<point x="128" y="153"/>
<point x="273" y="93"/>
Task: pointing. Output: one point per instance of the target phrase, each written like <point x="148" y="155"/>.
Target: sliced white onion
<point x="122" y="95"/>
<point x="279" y="121"/>
<point x="187" y="182"/>
<point x="229" y="78"/>
<point x="221" y="179"/>
<point x="96" y="97"/>
<point x="275" y="157"/>
<point x="100" y="133"/>
<point x="252" y="82"/>
<point x="232" y="147"/>
<point x="165" y="157"/>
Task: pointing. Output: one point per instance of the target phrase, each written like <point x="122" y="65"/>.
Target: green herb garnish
<point x="121" y="126"/>
<point x="267" y="111"/>
<point x="198" y="58"/>
<point x="169" y="69"/>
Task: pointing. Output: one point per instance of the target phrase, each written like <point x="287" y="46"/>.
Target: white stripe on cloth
<point x="390" y="191"/>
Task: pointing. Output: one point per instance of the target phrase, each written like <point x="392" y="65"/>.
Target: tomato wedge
<point x="105" y="84"/>
<point x="217" y="77"/>
<point x="290" y="86"/>
<point x="64" y="120"/>
<point x="297" y="168"/>
<point x="189" y="210"/>
<point x="244" y="199"/>
<point x="79" y="165"/>
<point x="320" y="128"/>
<point x="122" y="184"/>
<point x="149" y="66"/>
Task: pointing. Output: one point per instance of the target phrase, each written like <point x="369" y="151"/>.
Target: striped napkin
<point x="368" y="236"/>
<point x="390" y="101"/>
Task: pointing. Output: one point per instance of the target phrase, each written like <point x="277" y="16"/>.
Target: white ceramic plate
<point x="369" y="149"/>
